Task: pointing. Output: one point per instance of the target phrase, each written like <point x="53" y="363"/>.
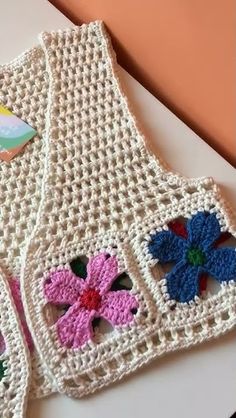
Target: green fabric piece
<point x="79" y="268"/>
<point x="9" y="143"/>
<point x="2" y="369"/>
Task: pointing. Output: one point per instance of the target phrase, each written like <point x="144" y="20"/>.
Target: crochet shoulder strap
<point x="100" y="294"/>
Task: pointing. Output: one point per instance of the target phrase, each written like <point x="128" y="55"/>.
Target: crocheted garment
<point x="24" y="90"/>
<point x="105" y="202"/>
<point x="99" y="295"/>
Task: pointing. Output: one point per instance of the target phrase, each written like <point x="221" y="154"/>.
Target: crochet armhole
<point x="159" y="166"/>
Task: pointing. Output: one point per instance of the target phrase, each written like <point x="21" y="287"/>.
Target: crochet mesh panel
<point x="24" y="90"/>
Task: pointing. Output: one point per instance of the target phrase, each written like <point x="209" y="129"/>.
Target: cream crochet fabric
<point x="103" y="197"/>
<point x="24" y="90"/>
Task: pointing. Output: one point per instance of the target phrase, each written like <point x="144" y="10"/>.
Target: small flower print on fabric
<point x="88" y="298"/>
<point x="194" y="251"/>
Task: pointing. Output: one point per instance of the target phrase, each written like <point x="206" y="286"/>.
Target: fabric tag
<point x="14" y="134"/>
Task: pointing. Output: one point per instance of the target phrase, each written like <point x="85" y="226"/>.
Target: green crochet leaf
<point x="79" y="268"/>
<point x="2" y="369"/>
<point x="122" y="282"/>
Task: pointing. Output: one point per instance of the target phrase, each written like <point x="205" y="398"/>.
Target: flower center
<point x="196" y="256"/>
<point x="90" y="299"/>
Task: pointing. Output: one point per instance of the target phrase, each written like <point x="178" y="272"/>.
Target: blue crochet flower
<point x="194" y="256"/>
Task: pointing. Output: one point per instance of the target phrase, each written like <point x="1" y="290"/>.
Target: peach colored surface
<point x="182" y="51"/>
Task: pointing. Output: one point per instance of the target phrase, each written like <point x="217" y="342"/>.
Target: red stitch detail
<point x="178" y="228"/>
<point x="223" y="237"/>
<point x="90" y="299"/>
<point x="203" y="282"/>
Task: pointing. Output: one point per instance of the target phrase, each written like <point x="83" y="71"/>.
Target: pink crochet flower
<point x="88" y="299"/>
